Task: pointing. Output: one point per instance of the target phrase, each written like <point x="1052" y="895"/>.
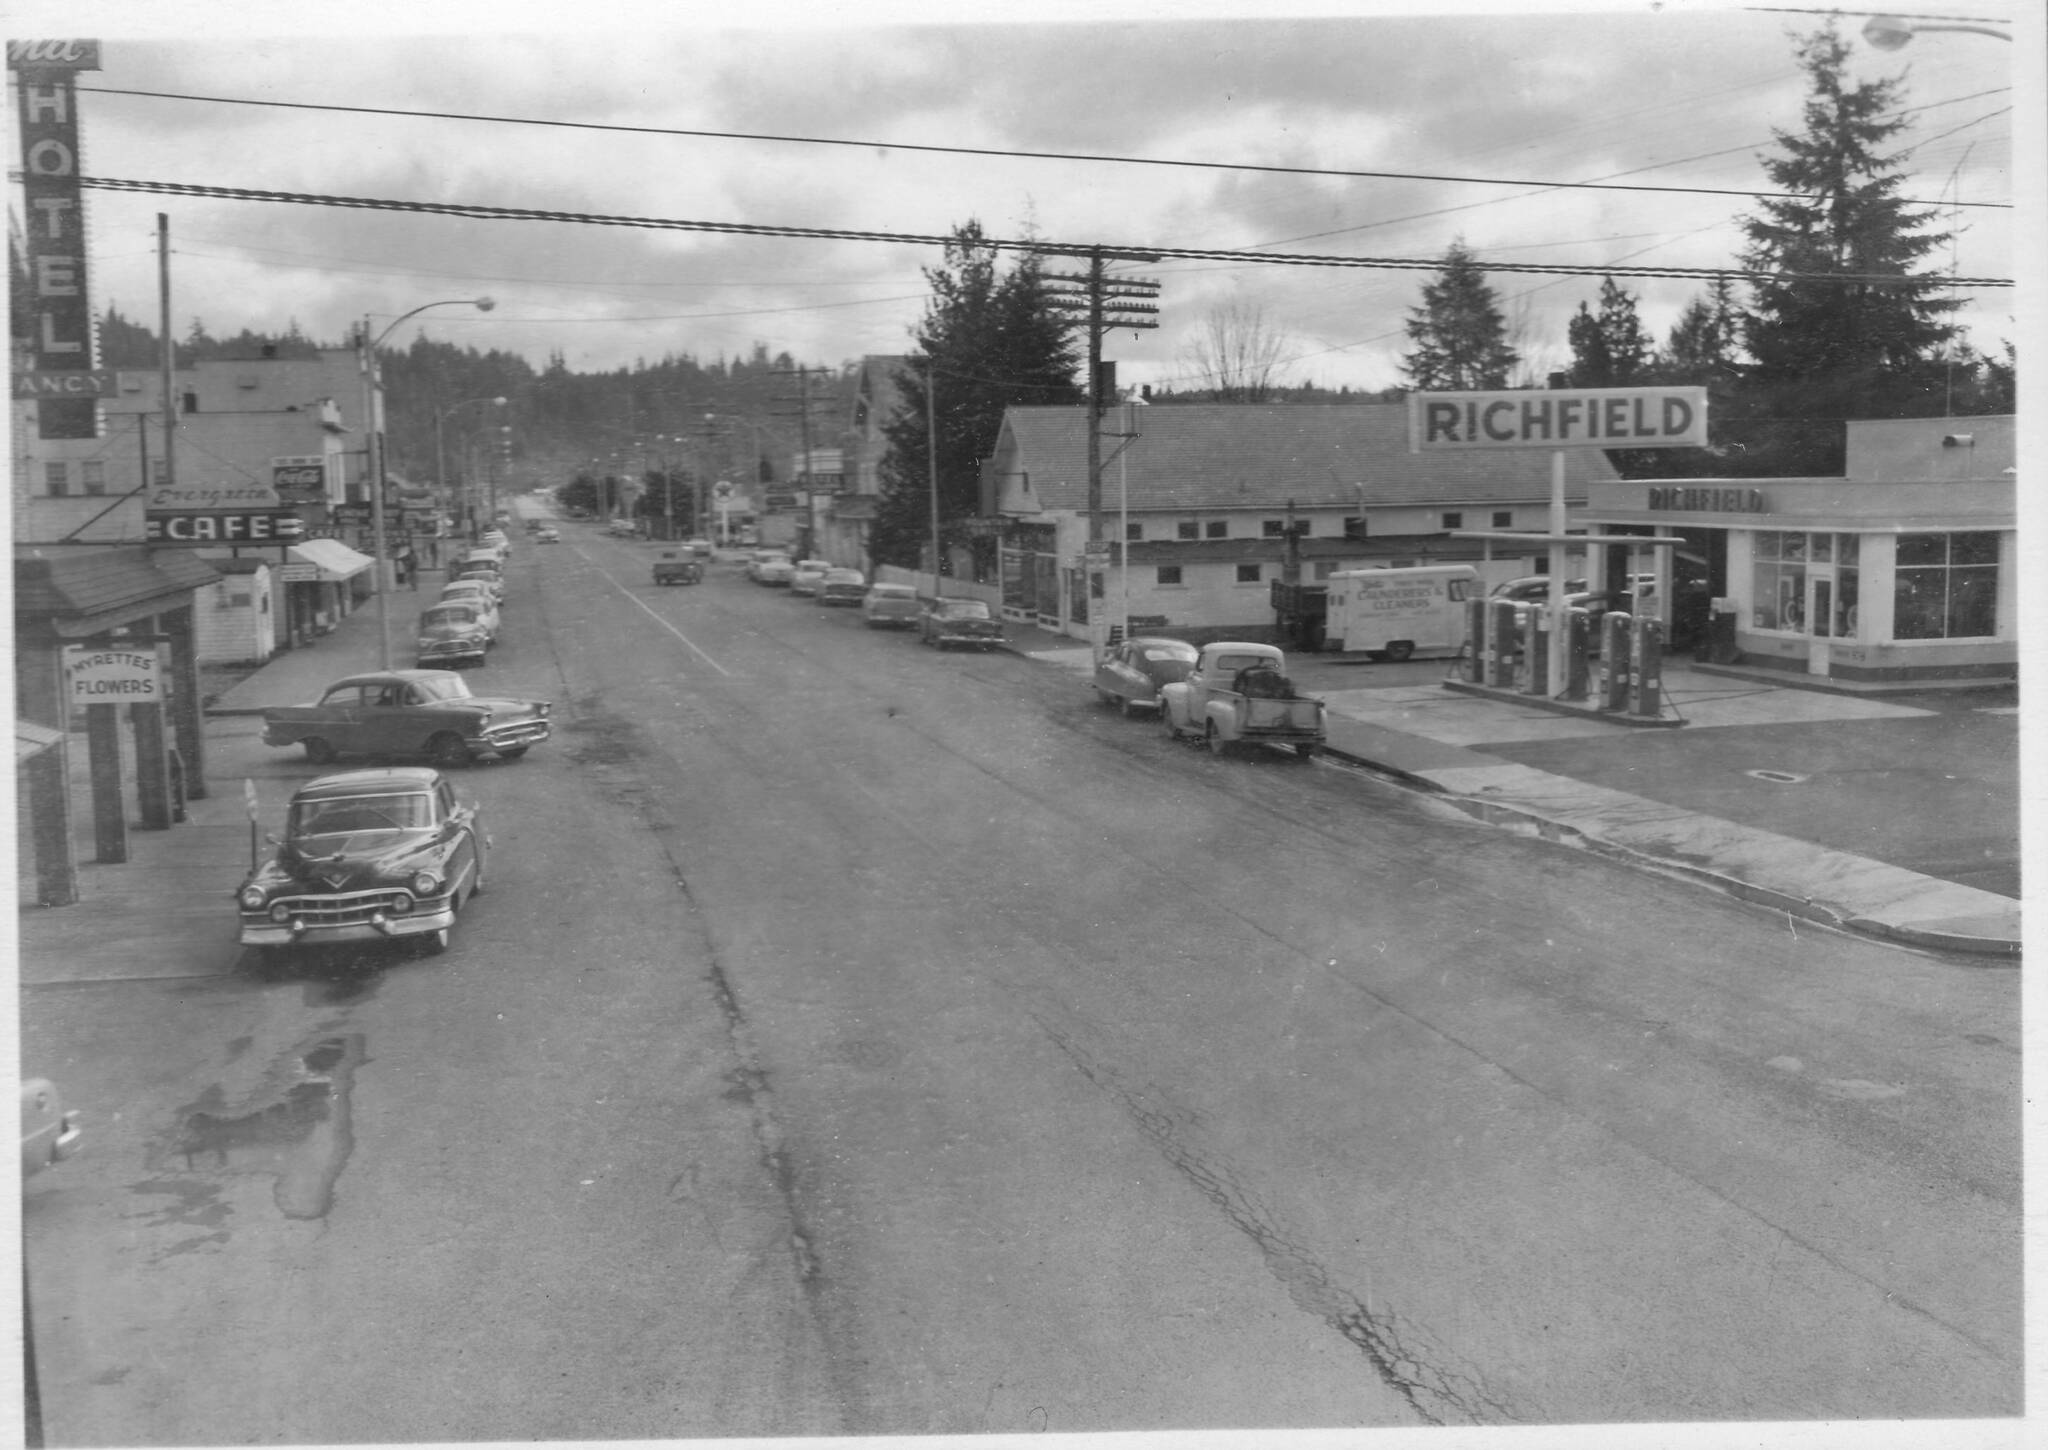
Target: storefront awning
<point x="335" y="560"/>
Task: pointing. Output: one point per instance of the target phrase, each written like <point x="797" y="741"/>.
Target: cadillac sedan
<point x="367" y="855"/>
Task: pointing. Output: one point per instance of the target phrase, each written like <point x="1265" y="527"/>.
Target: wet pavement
<point x="1890" y="814"/>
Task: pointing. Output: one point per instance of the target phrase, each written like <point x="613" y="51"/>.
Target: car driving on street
<point x="409" y="712"/>
<point x="1133" y="671"/>
<point x="968" y="622"/>
<point x="450" y="636"/>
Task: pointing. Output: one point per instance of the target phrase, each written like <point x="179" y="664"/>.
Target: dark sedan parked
<point x="959" y="621"/>
<point x="1131" y="674"/>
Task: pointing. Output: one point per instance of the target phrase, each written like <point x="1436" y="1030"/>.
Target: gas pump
<point x="1532" y="670"/>
<point x="1614" y="660"/>
<point x="1646" y="675"/>
<point x="1575" y="659"/>
<point x="1472" y="664"/>
<point x="1500" y="643"/>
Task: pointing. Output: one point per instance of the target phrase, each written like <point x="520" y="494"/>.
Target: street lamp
<point x="469" y="505"/>
<point x="1889" y="32"/>
<point x="373" y="452"/>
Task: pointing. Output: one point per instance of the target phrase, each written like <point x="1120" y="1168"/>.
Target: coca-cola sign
<point x="53" y="55"/>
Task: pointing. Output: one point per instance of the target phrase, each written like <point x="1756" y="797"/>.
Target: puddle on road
<point x="296" y="1129"/>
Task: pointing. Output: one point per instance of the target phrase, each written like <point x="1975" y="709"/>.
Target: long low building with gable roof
<point x="1202" y="498"/>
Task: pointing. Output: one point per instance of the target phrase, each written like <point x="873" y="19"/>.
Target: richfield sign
<point x="53" y="223"/>
<point x="1558" y="418"/>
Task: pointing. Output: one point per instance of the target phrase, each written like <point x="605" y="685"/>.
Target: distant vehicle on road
<point x="775" y="571"/>
<point x="450" y="636"/>
<point x="49" y="1133"/>
<point x="1239" y="693"/>
<point x="1533" y="588"/>
<point x="700" y="547"/>
<point x="547" y="534"/>
<point x="409" y="712"/>
<point x="842" y="586"/>
<point x="367" y="855"/>
<point x="670" y="568"/>
<point x="1399" y="613"/>
<point x="890" y="606"/>
<point x="1134" y="671"/>
<point x="808" y="574"/>
<point x="967" y="622"/>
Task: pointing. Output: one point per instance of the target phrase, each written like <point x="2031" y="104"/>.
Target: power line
<point x="953" y="150"/>
<point x="1029" y="245"/>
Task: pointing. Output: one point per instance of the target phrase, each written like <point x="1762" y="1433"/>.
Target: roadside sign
<point x="249" y="796"/>
<point x="112" y="676"/>
<point x="1670" y="417"/>
<point x="722" y="488"/>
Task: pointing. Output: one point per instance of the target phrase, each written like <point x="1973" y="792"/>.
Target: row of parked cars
<point x="392" y="852"/>
<point x="940" y="622"/>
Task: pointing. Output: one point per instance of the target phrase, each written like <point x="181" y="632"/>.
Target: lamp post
<point x="1890" y="32"/>
<point x="469" y="506"/>
<point x="373" y="453"/>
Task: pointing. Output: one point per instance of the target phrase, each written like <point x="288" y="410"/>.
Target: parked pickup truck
<point x="1240" y="692"/>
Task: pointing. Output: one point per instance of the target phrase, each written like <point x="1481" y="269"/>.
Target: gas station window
<point x="1947" y="586"/>
<point x="1779" y="580"/>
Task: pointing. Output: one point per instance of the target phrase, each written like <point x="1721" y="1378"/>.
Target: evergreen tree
<point x="1459" y="333"/>
<point x="1609" y="350"/>
<point x="992" y="342"/>
<point x="1702" y="344"/>
<point x="1823" y="350"/>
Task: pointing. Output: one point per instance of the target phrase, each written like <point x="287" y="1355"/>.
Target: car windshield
<point x="893" y="591"/>
<point x="439" y="686"/>
<point x="1163" y="653"/>
<point x="345" y="815"/>
<point x="963" y="609"/>
<point x="448" y="614"/>
<point x="461" y="591"/>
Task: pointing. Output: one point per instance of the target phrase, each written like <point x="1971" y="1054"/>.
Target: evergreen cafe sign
<point x="219" y="513"/>
<point x="1674" y="417"/>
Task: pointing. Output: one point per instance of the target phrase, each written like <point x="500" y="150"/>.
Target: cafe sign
<point x="1673" y="417"/>
<point x="223" y="526"/>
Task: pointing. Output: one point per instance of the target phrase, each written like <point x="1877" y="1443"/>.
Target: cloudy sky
<point x="1092" y="123"/>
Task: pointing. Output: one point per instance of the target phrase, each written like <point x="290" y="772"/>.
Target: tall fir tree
<point x="990" y="342"/>
<point x="1610" y="348"/>
<point x="1459" y="333"/>
<point x="1826" y="347"/>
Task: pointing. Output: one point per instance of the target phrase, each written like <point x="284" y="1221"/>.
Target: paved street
<point x="858" y="1039"/>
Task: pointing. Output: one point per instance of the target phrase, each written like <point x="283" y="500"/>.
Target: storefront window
<point x="1780" y="581"/>
<point x="1947" y="586"/>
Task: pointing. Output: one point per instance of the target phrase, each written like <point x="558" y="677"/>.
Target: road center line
<point x="660" y="621"/>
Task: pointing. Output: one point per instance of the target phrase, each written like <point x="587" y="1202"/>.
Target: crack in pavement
<point x="1386" y="1339"/>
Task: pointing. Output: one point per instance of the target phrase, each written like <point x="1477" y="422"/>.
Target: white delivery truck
<point x="1399" y="613"/>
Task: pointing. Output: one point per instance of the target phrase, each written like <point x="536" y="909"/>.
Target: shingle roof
<point x="72" y="583"/>
<point x="1251" y="455"/>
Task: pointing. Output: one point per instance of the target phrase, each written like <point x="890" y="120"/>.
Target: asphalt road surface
<point x="859" y="1039"/>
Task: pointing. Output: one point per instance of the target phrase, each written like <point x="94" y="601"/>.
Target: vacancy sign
<point x="1559" y="418"/>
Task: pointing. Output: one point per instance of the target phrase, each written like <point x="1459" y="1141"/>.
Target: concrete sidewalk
<point x="165" y="912"/>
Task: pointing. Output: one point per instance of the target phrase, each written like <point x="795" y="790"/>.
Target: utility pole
<point x="1106" y="304"/>
<point x="803" y="402"/>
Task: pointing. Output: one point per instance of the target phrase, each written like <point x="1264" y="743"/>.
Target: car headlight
<point x="425" y="883"/>
<point x="280" y="912"/>
<point x="252" y="898"/>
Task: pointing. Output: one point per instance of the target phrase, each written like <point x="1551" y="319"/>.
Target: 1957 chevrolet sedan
<point x="409" y="712"/>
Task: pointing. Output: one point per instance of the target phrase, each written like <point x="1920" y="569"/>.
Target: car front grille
<point x="347" y="908"/>
<point x="518" y="732"/>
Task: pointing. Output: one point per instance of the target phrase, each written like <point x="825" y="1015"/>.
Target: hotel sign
<point x="53" y="227"/>
<point x="1558" y="418"/>
<point x="97" y="383"/>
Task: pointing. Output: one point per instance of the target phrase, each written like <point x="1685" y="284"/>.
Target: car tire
<point x="514" y="753"/>
<point x="433" y="943"/>
<point x="318" y="751"/>
<point x="1166" y="719"/>
<point x="1126" y="706"/>
<point x="1400" y="649"/>
<point x="447" y="752"/>
<point x="1217" y="744"/>
<point x="1303" y="754"/>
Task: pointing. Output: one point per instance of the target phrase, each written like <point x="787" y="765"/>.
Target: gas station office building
<point x="1904" y="569"/>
